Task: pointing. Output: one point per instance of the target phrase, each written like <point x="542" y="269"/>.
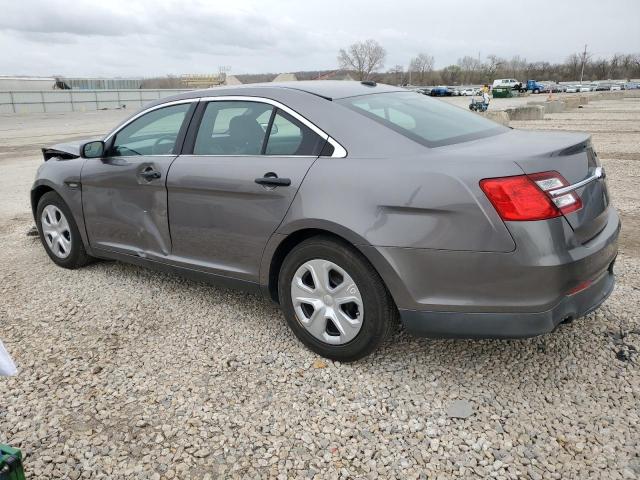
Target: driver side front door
<point x="124" y="195"/>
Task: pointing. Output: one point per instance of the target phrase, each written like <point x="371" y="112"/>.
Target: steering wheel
<point x="169" y="140"/>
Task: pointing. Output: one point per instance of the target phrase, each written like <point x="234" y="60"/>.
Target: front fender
<point x="63" y="177"/>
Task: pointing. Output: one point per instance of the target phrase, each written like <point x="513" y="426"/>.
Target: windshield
<point x="426" y="120"/>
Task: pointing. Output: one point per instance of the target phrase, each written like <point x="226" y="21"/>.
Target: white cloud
<point x="156" y="37"/>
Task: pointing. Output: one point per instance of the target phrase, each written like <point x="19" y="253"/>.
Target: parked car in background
<point x="585" y="88"/>
<point x="616" y="87"/>
<point x="571" y="88"/>
<point x="440" y="91"/>
<point x="422" y="90"/>
<point x="550" y="87"/>
<point x="603" y="87"/>
<point x="480" y="230"/>
<point x="630" y="86"/>
<point x="505" y="82"/>
<point x="470" y="91"/>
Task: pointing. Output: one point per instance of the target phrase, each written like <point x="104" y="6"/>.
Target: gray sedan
<point x="352" y="205"/>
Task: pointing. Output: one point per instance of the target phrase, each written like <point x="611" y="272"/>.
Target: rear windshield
<point x="426" y="120"/>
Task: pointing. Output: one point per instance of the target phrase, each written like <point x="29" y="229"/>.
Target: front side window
<point x="428" y="121"/>
<point x="154" y="133"/>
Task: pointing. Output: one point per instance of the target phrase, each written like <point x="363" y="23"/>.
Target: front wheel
<point x="59" y="233"/>
<point x="334" y="300"/>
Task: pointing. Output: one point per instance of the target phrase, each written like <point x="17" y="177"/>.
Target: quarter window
<point x="154" y="133"/>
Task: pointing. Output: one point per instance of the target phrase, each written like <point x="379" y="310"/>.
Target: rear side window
<point x="253" y="128"/>
<point x="232" y="128"/>
<point x="428" y="121"/>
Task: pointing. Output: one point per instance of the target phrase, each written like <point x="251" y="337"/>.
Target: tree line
<point x="366" y="60"/>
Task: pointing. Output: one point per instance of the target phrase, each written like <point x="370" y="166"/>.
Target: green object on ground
<point x="502" y="92"/>
<point x="10" y="463"/>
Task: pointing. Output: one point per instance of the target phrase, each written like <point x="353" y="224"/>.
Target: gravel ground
<point x="127" y="373"/>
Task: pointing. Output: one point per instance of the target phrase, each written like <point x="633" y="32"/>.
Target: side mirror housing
<point x="93" y="149"/>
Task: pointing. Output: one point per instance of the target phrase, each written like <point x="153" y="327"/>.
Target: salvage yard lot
<point x="128" y="373"/>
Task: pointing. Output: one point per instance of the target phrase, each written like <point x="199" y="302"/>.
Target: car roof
<point x="329" y="89"/>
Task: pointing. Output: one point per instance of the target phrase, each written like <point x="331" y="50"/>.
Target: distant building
<point x="286" y="77"/>
<point x="232" y="80"/>
<point x="82" y="83"/>
<point x="9" y="84"/>
<point x="203" y="81"/>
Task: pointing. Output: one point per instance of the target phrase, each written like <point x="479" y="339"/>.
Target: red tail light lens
<point x="527" y="197"/>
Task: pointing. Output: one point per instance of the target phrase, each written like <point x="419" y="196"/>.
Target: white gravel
<point x="127" y="373"/>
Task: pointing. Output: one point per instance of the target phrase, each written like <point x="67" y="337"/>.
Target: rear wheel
<point x="334" y="301"/>
<point x="59" y="233"/>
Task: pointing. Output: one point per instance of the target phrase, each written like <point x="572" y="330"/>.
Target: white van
<point x="505" y="82"/>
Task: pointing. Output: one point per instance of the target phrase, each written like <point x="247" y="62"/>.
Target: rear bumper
<point x="489" y="294"/>
<point x="508" y="325"/>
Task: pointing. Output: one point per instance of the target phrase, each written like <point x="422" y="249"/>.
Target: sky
<point x="145" y="38"/>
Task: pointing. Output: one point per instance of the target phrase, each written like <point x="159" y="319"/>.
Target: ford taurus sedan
<point x="352" y="205"/>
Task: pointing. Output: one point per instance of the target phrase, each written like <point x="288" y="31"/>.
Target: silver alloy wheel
<point x="327" y="301"/>
<point x="56" y="231"/>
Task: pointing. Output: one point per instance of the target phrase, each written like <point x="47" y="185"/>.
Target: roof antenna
<point x="368" y="83"/>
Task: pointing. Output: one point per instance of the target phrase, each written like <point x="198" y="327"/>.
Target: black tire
<point x="77" y="256"/>
<point x="380" y="313"/>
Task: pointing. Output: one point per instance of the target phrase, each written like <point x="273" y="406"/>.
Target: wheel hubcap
<point x="327" y="301"/>
<point x="56" y="231"/>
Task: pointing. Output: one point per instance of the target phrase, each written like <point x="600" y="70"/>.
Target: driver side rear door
<point x="124" y="195"/>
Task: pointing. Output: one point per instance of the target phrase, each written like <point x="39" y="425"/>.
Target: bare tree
<point x="451" y="75"/>
<point x="516" y="66"/>
<point x="421" y="66"/>
<point x="573" y="63"/>
<point x="398" y="74"/>
<point x="363" y="58"/>
<point x="494" y="65"/>
<point x="468" y="65"/>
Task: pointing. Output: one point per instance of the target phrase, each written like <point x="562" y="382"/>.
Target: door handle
<point x="272" y="180"/>
<point x="150" y="174"/>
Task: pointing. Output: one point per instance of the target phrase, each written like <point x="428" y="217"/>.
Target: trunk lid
<point x="576" y="160"/>
<point x="568" y="153"/>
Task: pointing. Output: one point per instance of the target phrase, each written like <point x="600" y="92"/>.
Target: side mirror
<point x="93" y="149"/>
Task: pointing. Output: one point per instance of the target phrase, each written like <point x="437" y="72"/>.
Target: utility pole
<point x="584" y="60"/>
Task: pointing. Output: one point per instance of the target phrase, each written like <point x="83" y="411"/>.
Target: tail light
<point x="528" y="197"/>
<point x="549" y="181"/>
